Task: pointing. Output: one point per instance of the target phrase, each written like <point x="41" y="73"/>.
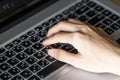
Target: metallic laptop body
<point x="64" y="72"/>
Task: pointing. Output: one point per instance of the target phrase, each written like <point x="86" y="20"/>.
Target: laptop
<point x="24" y="25"/>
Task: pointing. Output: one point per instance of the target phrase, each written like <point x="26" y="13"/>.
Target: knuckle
<point x="61" y="23"/>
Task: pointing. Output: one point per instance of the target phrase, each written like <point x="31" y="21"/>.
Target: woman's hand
<point x="97" y="51"/>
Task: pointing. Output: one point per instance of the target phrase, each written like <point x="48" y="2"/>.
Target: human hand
<point x="97" y="51"/>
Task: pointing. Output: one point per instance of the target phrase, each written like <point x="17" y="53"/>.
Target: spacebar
<point x="49" y="69"/>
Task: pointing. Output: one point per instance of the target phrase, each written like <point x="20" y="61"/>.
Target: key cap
<point x="8" y="46"/>
<point x="115" y="26"/>
<point x="49" y="58"/>
<point x="31" y="60"/>
<point x="99" y="8"/>
<point x="109" y="31"/>
<point x="34" y="39"/>
<point x="14" y="70"/>
<point x="45" y="24"/>
<point x="72" y="15"/>
<point x="81" y="10"/>
<point x="29" y="51"/>
<point x="22" y="65"/>
<point x="37" y="46"/>
<point x="17" y="77"/>
<point x="66" y="12"/>
<point x="101" y="25"/>
<point x="53" y="20"/>
<point x="39" y="55"/>
<point x="43" y="63"/>
<point x="9" y="53"/>
<point x="79" y="4"/>
<point x="2" y="58"/>
<point x="26" y="73"/>
<point x="114" y="17"/>
<point x="34" y="78"/>
<point x="107" y="22"/>
<point x="21" y="56"/>
<point x="5" y="76"/>
<point x="13" y="61"/>
<point x="59" y="16"/>
<point x="24" y="37"/>
<point x="83" y="18"/>
<point x="72" y="8"/>
<point x="91" y="13"/>
<point x="91" y="4"/>
<point x="106" y="12"/>
<point x="18" y="48"/>
<point x="26" y="43"/>
<point x="34" y="68"/>
<point x="51" y="68"/>
<point x="17" y="41"/>
<point x="96" y="19"/>
<point x="42" y="34"/>
<point x="2" y="50"/>
<point x="4" y="66"/>
<point x="31" y="33"/>
<point x="39" y="28"/>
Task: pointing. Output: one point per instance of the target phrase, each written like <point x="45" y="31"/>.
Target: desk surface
<point x="116" y="1"/>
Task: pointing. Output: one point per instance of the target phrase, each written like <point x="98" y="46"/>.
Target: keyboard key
<point x="99" y="8"/>
<point x="114" y="17"/>
<point x="2" y="58"/>
<point x="51" y="68"/>
<point x="53" y="20"/>
<point x="43" y="63"/>
<point x="17" y="77"/>
<point x="106" y="12"/>
<point x="75" y="51"/>
<point x="59" y="17"/>
<point x="84" y="1"/>
<point x="4" y="66"/>
<point x="8" y="46"/>
<point x="29" y="51"/>
<point x="79" y="4"/>
<point x="18" y="48"/>
<point x="37" y="46"/>
<point x="26" y="73"/>
<point x="12" y="61"/>
<point x="96" y="19"/>
<point x="66" y="12"/>
<point x="39" y="55"/>
<point x="67" y="47"/>
<point x="2" y="50"/>
<point x="101" y="25"/>
<point x="26" y="43"/>
<point x="107" y="22"/>
<point x="45" y="24"/>
<point x="72" y="8"/>
<point x="17" y="41"/>
<point x="34" y="39"/>
<point x="83" y="18"/>
<point x="39" y="28"/>
<point x="31" y="60"/>
<point x="22" y="65"/>
<point x="91" y="4"/>
<point x="23" y="37"/>
<point x="9" y="53"/>
<point x="14" y="71"/>
<point x="31" y="33"/>
<point x="34" y="68"/>
<point x="91" y="13"/>
<point x="109" y="31"/>
<point x="34" y="78"/>
<point x="42" y="34"/>
<point x="21" y="56"/>
<point x="49" y="58"/>
<point x="72" y="15"/>
<point x="115" y="26"/>
<point x="118" y="22"/>
<point x="5" y="76"/>
<point x="81" y="10"/>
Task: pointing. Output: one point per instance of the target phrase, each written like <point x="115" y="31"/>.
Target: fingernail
<point x="51" y="52"/>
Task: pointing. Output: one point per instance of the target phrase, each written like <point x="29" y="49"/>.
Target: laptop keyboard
<point x="26" y="58"/>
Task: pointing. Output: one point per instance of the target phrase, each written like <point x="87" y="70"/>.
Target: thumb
<point x="64" y="56"/>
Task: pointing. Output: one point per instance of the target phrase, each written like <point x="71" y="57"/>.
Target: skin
<point x="97" y="51"/>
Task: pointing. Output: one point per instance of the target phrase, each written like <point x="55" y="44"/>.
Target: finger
<point x="64" y="56"/>
<point x="64" y="26"/>
<point x="61" y="37"/>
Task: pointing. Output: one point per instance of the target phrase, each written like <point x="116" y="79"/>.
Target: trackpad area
<point x="77" y="74"/>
